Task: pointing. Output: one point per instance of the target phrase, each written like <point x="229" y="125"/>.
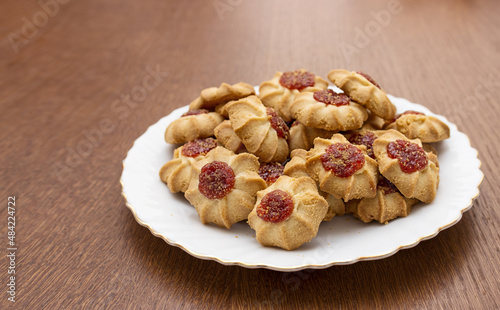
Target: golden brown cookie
<point x="364" y="90"/>
<point x="194" y="124"/>
<point x="288" y="213"/>
<point x="224" y="186"/>
<point x="373" y="122"/>
<point x="405" y="163"/>
<point x="178" y="171"/>
<point x="217" y="96"/>
<point x="279" y="92"/>
<point x="302" y="137"/>
<point x="225" y="134"/>
<point x="387" y="205"/>
<point x="262" y="132"/>
<point x="342" y="169"/>
<point x="327" y="110"/>
<point x="296" y="168"/>
<point x="418" y="125"/>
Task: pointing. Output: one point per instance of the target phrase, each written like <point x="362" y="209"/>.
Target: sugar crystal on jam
<point x="216" y="180"/>
<point x="198" y="147"/>
<point x="328" y="96"/>
<point x="275" y="206"/>
<point x="343" y="159"/>
<point x="411" y="156"/>
<point x="270" y="172"/>
<point x="298" y="79"/>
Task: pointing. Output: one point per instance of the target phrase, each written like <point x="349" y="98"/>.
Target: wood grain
<point x="63" y="90"/>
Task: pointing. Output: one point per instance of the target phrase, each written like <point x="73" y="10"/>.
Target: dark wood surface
<point x="65" y="75"/>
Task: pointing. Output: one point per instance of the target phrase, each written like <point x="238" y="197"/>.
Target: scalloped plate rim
<point x="227" y="262"/>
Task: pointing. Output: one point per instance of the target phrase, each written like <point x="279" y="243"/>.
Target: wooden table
<point x="81" y="80"/>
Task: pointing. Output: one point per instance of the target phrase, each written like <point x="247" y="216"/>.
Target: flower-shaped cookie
<point x="328" y="110"/>
<point x="415" y="124"/>
<point x="225" y="134"/>
<point x="224" y="186"/>
<point x="342" y="169"/>
<point x="177" y="172"/>
<point x="296" y="168"/>
<point x="405" y="163"/>
<point x="262" y="132"/>
<point x="288" y="213"/>
<point x="364" y="90"/>
<point x="193" y="124"/>
<point x="373" y="122"/>
<point x="388" y="204"/>
<point x="279" y="92"/>
<point x="302" y="137"/>
<point x="212" y="97"/>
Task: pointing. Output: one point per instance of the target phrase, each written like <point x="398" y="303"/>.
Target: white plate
<point x="341" y="241"/>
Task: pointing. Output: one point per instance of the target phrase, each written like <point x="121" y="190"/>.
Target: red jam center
<point x="343" y="159"/>
<point x="328" y="96"/>
<point x="411" y="156"/>
<point x="270" y="172"/>
<point x="298" y="79"/>
<point x="216" y="180"/>
<point x="386" y="186"/>
<point x="195" y="112"/>
<point x="369" y="78"/>
<point x="406" y="113"/>
<point x="275" y="207"/>
<point x="278" y="124"/>
<point x="365" y="139"/>
<point x="198" y="147"/>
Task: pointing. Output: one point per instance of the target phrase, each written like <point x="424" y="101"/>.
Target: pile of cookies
<point x="299" y="153"/>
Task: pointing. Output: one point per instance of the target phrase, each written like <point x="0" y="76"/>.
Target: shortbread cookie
<point x="327" y="110"/>
<point x="288" y="213"/>
<point x="302" y="137"/>
<point x="336" y="207"/>
<point x="387" y="205"/>
<point x="279" y="92"/>
<point x="215" y="96"/>
<point x="364" y="90"/>
<point x="262" y="132"/>
<point x="177" y="172"/>
<point x="415" y="124"/>
<point x="429" y="149"/>
<point x="405" y="163"/>
<point x="224" y="186"/>
<point x="342" y="169"/>
<point x="373" y="122"/>
<point x="194" y="124"/>
<point x="296" y="168"/>
<point x="225" y="134"/>
<point x="270" y="172"/>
